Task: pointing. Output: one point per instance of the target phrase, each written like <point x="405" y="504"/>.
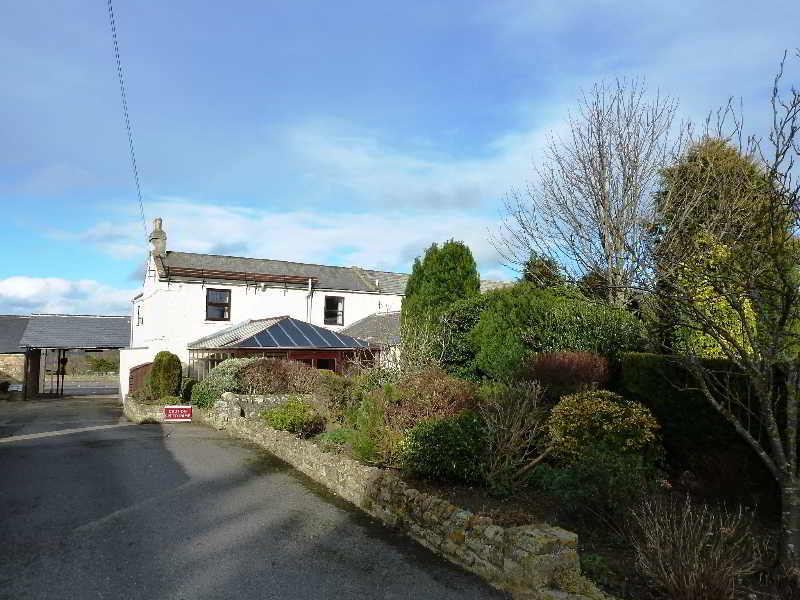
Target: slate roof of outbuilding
<point x="277" y="332"/>
<point x="76" y="331"/>
<point x="354" y="279"/>
<point x="379" y="328"/>
<point x="11" y="329"/>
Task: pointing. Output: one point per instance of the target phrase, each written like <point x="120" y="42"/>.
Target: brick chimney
<point x="158" y="239"/>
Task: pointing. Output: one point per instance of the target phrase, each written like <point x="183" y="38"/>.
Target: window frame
<point x="339" y="319"/>
<point x="225" y="305"/>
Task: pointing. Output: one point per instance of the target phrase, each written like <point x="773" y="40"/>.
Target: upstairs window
<point x="218" y="305"/>
<point x="334" y="310"/>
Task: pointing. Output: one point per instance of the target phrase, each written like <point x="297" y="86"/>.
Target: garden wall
<point x="535" y="562"/>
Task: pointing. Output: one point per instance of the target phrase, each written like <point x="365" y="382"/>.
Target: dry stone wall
<point x="12" y="368"/>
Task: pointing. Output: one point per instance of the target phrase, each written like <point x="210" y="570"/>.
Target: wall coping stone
<point x="532" y="562"/>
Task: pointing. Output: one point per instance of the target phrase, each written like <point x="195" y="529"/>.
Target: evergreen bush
<point x="166" y="374"/>
<point x="449" y="449"/>
<point x="297" y="416"/>
<point x="599" y="416"/>
<point x="222" y="378"/>
<point x="186" y="388"/>
<point x="522" y="320"/>
<point x="459" y="320"/>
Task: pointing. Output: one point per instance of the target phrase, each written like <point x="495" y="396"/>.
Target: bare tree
<point x="736" y="280"/>
<point x="590" y="205"/>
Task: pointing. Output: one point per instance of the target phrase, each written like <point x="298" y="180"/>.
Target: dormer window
<point x="334" y="310"/>
<point x="218" y="305"/>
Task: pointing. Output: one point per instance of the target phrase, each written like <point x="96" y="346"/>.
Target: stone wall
<point x="533" y="562"/>
<point x="12" y="368"/>
<point x="137" y="412"/>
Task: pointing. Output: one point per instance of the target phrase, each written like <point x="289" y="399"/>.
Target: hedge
<point x="690" y="425"/>
<point x="522" y="320"/>
<point x="459" y="320"/>
<point x="222" y="378"/>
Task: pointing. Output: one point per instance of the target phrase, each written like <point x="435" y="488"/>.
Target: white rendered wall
<point x="174" y="314"/>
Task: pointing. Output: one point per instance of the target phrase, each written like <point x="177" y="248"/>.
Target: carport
<point x="46" y="334"/>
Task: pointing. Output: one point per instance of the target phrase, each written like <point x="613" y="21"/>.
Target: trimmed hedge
<point x="522" y="320"/>
<point x="690" y="425"/>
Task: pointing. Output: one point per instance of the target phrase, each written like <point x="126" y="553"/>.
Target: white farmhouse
<point x="205" y="308"/>
<point x="188" y="298"/>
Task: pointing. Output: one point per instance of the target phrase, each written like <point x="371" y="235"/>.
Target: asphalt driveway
<point x="92" y="507"/>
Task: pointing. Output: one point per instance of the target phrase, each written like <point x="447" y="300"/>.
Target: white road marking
<point x="34" y="436"/>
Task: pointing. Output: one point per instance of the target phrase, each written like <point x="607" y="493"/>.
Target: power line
<point x="128" y="127"/>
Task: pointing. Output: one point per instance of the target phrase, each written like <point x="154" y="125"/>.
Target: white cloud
<point x="382" y="175"/>
<point x="22" y="295"/>
<point x="389" y="240"/>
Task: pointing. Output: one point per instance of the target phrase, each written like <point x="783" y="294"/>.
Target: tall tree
<point x="591" y="202"/>
<point x="747" y="262"/>
<point x="445" y="274"/>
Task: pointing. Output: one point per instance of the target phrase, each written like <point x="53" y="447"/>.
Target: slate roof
<point x="379" y="328"/>
<point x="328" y="277"/>
<point x="76" y="331"/>
<point x="11" y="329"/>
<point x="277" y="332"/>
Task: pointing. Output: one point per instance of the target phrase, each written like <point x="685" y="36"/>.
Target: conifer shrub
<point x="166" y="374"/>
<point x="186" y="388"/>
<point x="459" y="320"/>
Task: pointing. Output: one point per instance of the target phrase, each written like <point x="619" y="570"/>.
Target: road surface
<point x="92" y="507"/>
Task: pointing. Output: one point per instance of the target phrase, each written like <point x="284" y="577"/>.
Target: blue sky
<point x="351" y="133"/>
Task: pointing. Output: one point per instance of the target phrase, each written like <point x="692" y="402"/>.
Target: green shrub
<point x="222" y="378"/>
<point x="171" y="400"/>
<point x="523" y="320"/>
<point x="341" y="396"/>
<point x="460" y="319"/>
<point x="166" y="374"/>
<point x="375" y="377"/>
<point x="600" y="483"/>
<point x="598" y="416"/>
<point x="186" y="388"/>
<point x="449" y="449"/>
<point x="297" y="416"/>
<point x="336" y="440"/>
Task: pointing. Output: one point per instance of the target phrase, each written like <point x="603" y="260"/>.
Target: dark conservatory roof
<point x="380" y="328"/>
<point x="11" y="329"/>
<point x="280" y="333"/>
<point x="76" y="332"/>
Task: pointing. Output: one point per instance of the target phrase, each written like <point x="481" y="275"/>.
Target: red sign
<point x="177" y="414"/>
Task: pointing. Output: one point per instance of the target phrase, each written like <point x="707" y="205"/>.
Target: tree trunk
<point x="790" y="527"/>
